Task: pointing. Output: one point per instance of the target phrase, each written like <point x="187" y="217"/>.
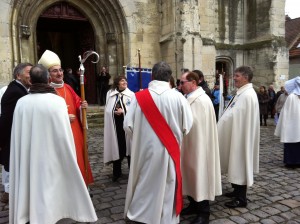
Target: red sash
<point x="166" y="136"/>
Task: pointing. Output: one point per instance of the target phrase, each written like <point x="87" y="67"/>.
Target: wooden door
<point x="64" y="30"/>
<point x="86" y="43"/>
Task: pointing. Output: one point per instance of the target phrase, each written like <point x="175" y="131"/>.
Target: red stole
<point x="166" y="136"/>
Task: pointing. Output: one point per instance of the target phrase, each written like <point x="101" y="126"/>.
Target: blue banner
<point x="134" y="79"/>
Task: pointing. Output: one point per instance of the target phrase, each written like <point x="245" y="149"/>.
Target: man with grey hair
<point x="239" y="133"/>
<point x="43" y="166"/>
<point x="157" y="119"/>
<point x="15" y="90"/>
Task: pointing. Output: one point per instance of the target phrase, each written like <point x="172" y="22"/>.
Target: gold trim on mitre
<point x="49" y="59"/>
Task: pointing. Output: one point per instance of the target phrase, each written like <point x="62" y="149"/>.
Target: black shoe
<point x="236" y="203"/>
<point x="200" y="220"/>
<point x="191" y="209"/>
<point x="230" y="195"/>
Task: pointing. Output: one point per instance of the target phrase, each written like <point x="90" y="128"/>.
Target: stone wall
<point x="294" y="67"/>
<point x="188" y="33"/>
<point x="6" y="64"/>
<point x="252" y="33"/>
<point x="145" y="33"/>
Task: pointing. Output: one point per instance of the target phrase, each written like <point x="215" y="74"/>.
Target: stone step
<point x="92" y="108"/>
<point x="96" y="122"/>
<point x="96" y="125"/>
<point x="95" y="116"/>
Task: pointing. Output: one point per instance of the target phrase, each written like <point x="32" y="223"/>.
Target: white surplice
<point x="288" y="127"/>
<point x="150" y="194"/>
<point x="45" y="181"/>
<point x="200" y="165"/>
<point x="111" y="147"/>
<point x="239" y="134"/>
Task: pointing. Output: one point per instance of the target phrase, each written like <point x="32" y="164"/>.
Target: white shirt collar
<point x="243" y="88"/>
<point x="22" y="85"/>
<point x="55" y="85"/>
<point x="159" y="86"/>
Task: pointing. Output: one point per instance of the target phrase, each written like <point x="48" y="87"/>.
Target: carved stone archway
<point x="224" y="65"/>
<point x="106" y="18"/>
<point x="63" y="29"/>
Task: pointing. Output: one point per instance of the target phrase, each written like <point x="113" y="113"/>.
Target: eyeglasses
<point x="57" y="70"/>
<point x="182" y="82"/>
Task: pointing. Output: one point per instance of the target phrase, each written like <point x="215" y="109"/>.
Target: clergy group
<point x="171" y="139"/>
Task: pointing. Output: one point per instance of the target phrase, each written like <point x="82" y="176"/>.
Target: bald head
<point x="39" y="74"/>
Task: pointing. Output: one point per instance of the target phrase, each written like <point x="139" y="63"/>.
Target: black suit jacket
<point x="9" y="100"/>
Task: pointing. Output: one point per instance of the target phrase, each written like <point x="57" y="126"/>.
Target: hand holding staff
<point x="84" y="121"/>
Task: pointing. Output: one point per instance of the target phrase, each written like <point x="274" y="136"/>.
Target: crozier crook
<point x="83" y="110"/>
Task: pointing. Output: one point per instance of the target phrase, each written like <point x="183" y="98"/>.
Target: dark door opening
<point x="69" y="38"/>
<point x="223" y="68"/>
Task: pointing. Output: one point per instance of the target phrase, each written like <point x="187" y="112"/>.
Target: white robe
<point x="288" y="127"/>
<point x="111" y="148"/>
<point x="201" y="173"/>
<point x="239" y="134"/>
<point x="152" y="178"/>
<point x="45" y="181"/>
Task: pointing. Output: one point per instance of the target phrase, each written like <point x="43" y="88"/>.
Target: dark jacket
<point x="204" y="86"/>
<point x="272" y="96"/>
<point x="72" y="81"/>
<point x="103" y="78"/>
<point x="9" y="100"/>
<point x="263" y="100"/>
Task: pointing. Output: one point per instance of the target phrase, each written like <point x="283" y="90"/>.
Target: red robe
<point x="73" y="103"/>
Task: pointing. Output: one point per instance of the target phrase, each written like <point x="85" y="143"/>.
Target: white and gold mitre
<point x="49" y="59"/>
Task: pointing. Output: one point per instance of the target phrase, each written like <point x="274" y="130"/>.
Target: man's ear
<point x="49" y="80"/>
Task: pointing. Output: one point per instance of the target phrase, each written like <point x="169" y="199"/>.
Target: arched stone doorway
<point x="106" y="19"/>
<point x="66" y="31"/>
<point x="224" y="65"/>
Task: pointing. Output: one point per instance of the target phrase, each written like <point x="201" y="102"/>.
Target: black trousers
<point x="216" y="107"/>
<point x="117" y="166"/>
<point x="265" y="116"/>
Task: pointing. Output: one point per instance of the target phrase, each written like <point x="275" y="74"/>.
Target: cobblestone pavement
<point x="274" y="197"/>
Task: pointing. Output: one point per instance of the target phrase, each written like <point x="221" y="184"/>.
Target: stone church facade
<point x="211" y="35"/>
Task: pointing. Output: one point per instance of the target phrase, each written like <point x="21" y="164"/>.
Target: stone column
<point x="5" y="44"/>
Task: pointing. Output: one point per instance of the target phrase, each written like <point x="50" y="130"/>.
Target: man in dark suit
<point x="103" y="84"/>
<point x="15" y="90"/>
<point x="72" y="81"/>
<point x="203" y="83"/>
